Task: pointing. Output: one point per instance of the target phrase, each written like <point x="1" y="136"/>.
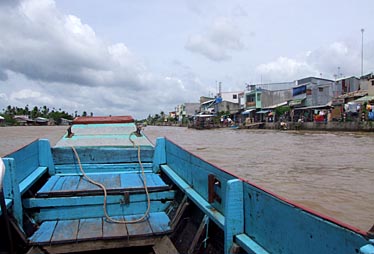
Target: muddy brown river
<point x="329" y="172"/>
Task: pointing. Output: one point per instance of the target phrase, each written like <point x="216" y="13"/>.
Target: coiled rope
<point x="146" y="214"/>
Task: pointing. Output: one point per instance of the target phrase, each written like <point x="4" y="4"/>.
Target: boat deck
<point x="66" y="234"/>
<point x="103" y="135"/>
<point x="74" y="185"/>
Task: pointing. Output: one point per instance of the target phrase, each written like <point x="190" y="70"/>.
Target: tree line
<point x="33" y="112"/>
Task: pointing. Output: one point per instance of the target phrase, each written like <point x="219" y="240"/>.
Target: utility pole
<point x="362" y="52"/>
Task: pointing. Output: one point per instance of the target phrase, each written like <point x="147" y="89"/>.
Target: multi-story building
<point x="230" y="96"/>
<point x="346" y="85"/>
<point x="318" y="91"/>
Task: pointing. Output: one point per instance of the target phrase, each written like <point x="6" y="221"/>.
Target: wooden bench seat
<point x="75" y="185"/>
<point x="68" y="235"/>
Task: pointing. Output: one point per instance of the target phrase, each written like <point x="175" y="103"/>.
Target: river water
<point x="329" y="172"/>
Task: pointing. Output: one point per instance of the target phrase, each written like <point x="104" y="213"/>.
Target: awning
<point x="246" y="112"/>
<point x="277" y="105"/>
<point x="263" y="112"/>
<point x="296" y="102"/>
<point x="203" y="116"/>
<point x="328" y="105"/>
<point x="208" y="102"/>
<point x="365" y="98"/>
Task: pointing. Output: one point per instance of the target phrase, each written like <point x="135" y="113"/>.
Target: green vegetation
<point x="279" y="111"/>
<point x="161" y="119"/>
<point x="56" y="114"/>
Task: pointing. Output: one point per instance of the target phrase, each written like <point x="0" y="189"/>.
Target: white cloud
<point x="206" y="47"/>
<point x="105" y="58"/>
<point x="218" y="42"/>
<point x="285" y="69"/>
<point x="326" y="61"/>
<point x="340" y="55"/>
<point x="68" y="66"/>
<point x="25" y="94"/>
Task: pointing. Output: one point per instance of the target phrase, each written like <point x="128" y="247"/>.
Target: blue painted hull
<point x="193" y="204"/>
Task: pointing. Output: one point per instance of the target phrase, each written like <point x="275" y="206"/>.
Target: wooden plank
<point x="65" y="231"/>
<point x="17" y="209"/>
<point x="99" y="191"/>
<point x="35" y="250"/>
<point x="159" y="223"/>
<point x="92" y="200"/>
<point x="59" y="183"/>
<point x="159" y="154"/>
<point x="70" y="183"/>
<point x="138" y="229"/>
<point x="234" y="211"/>
<point x="85" y="185"/>
<point x="111" y="181"/>
<point x="67" y="185"/>
<point x="90" y="229"/>
<point x="103" y="168"/>
<point x="165" y="246"/>
<point x="27" y="160"/>
<point x="131" y="181"/>
<point x="198" y="234"/>
<point x="179" y="213"/>
<point x="148" y="179"/>
<point x="31" y="179"/>
<point x="114" y="209"/>
<point x="156" y="179"/>
<point x="45" y="156"/>
<point x="48" y="185"/>
<point x="114" y="230"/>
<point x="249" y="245"/>
<point x="44" y="234"/>
<point x="102" y="141"/>
<point x="99" y="245"/>
<point x="207" y="208"/>
<point x="98" y="155"/>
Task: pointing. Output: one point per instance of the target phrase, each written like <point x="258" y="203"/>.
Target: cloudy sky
<point x="125" y="57"/>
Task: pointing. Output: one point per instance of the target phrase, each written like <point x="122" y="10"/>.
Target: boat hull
<point x="155" y="198"/>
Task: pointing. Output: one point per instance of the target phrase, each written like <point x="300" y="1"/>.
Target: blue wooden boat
<point x="104" y="186"/>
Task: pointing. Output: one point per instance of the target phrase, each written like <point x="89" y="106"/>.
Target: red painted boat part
<point x="102" y="119"/>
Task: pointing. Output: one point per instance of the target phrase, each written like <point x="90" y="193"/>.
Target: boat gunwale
<point x="281" y="198"/>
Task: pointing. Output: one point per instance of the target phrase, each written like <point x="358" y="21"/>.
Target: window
<point x="372" y="82"/>
<point x="235" y="96"/>
<point x="320" y="89"/>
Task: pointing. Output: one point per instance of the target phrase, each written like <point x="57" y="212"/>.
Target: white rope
<point x="105" y="191"/>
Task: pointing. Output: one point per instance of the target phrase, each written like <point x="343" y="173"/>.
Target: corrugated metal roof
<point x="353" y="94"/>
<point x="365" y="98"/>
<point x="277" y="105"/>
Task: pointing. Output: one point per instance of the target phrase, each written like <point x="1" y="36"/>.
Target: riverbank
<point x="354" y="126"/>
<point x="322" y="126"/>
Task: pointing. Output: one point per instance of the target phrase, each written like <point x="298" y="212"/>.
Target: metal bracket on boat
<point x="138" y="132"/>
<point x="126" y="198"/>
<point x="213" y="183"/>
<point x="70" y="133"/>
<point x="371" y="232"/>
